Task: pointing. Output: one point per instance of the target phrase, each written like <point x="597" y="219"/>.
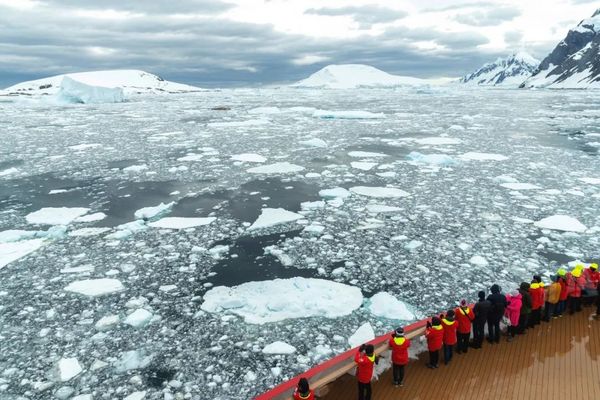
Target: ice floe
<point x="277" y="168"/>
<point x="366" y="154"/>
<point x="479" y="261"/>
<point x="437" y="141"/>
<point x="431" y="159"/>
<point x="274" y="216"/>
<point x="315" y="142"/>
<point x="363" y="334"/>
<point x="12" y="251"/>
<point x="474" y="156"/>
<point x="249" y="157"/>
<point x="385" y="305"/>
<point x="181" y="222"/>
<point x="381" y="208"/>
<point x="99" y="216"/>
<point x="334" y="193"/>
<point x="153" y="212"/>
<point x="380" y="192"/>
<point x="347" y="114"/>
<point x="363" y="166"/>
<point x="279" y="348"/>
<point x="280" y="299"/>
<point x="9" y="171"/>
<point x="67" y="369"/>
<point x="95" y="287"/>
<point x="561" y="223"/>
<point x="520" y="186"/>
<point x="55" y="215"/>
<point x="590" y="181"/>
<point x="139" y="318"/>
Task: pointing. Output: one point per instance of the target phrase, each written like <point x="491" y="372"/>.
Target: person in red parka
<point x="592" y="277"/>
<point x="450" y="328"/>
<point x="564" y="292"/>
<point x="575" y="284"/>
<point x="365" y="360"/>
<point x="399" y="345"/>
<point x="303" y="391"/>
<point x="435" y="339"/>
<point x="536" y="291"/>
<point x="464" y="317"/>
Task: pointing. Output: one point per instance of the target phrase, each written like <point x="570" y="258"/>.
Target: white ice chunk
<point x="334" y="193"/>
<point x="139" y="318"/>
<point x="315" y="142"/>
<point x="9" y="171"/>
<point x="99" y="216"/>
<point x="68" y="368"/>
<point x="431" y="159"/>
<point x="363" y="166"/>
<point x="107" y="322"/>
<point x="133" y="359"/>
<point x="362" y="335"/>
<point x="366" y="154"/>
<point x="55" y="215"/>
<point x="136" y="396"/>
<point x="181" y="222"/>
<point x="274" y="216"/>
<point x="590" y="181"/>
<point x="95" y="287"/>
<point x="386" y="305"/>
<point x="437" y="141"/>
<point x="520" y="186"/>
<point x="280" y="299"/>
<point x="136" y="168"/>
<point x="13" y="251"/>
<point x="561" y="223"/>
<point x="479" y="261"/>
<point x="380" y="192"/>
<point x="249" y="157"/>
<point x="279" y="348"/>
<point x="154" y="212"/>
<point x="474" y="156"/>
<point x="347" y="114"/>
<point x="277" y="168"/>
<point x="85" y="232"/>
<point x="15" y="235"/>
<point x="381" y="208"/>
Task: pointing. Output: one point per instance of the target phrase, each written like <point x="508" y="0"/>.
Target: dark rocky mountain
<point x="509" y="71"/>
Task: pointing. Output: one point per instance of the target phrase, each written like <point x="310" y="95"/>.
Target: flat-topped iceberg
<point x="280" y="299"/>
<point x="561" y="223"/>
<point x="274" y="216"/>
<point x="386" y="305"/>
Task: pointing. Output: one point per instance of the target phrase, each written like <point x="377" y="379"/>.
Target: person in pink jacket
<point x="512" y="312"/>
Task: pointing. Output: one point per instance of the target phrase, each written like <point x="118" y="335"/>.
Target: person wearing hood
<point x="464" y="317"/>
<point x="450" y="339"/>
<point x="434" y="332"/>
<point x="499" y="304"/>
<point x="365" y="361"/>
<point x="524" y="315"/>
<point x="592" y="277"/>
<point x="536" y="291"/>
<point x="561" y="307"/>
<point x="552" y="299"/>
<point x="575" y="284"/>
<point x="481" y="310"/>
<point x="513" y="312"/>
<point x="303" y="391"/>
<point x="399" y="345"/>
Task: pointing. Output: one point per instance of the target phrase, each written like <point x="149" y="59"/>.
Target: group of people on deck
<point x="525" y="308"/>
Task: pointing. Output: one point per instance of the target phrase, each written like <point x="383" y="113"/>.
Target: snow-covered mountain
<point x="352" y="76"/>
<point x="575" y="62"/>
<point x="130" y="81"/>
<point x="509" y="71"/>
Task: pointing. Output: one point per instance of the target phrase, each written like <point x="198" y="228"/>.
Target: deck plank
<point x="557" y="360"/>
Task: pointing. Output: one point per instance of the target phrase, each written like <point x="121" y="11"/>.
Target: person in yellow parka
<point x="552" y="299"/>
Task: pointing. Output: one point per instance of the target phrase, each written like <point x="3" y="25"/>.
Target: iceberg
<point x="281" y="299"/>
<point x="75" y="92"/>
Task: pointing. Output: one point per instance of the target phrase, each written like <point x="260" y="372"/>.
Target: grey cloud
<point x="365" y="15"/>
<point x="462" y="40"/>
<point x="210" y="51"/>
<point x="513" y="38"/>
<point x="146" y="6"/>
<point x="489" y="17"/>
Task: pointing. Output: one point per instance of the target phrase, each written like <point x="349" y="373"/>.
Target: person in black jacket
<point x="481" y="311"/>
<point x="499" y="304"/>
<point x="525" y="308"/>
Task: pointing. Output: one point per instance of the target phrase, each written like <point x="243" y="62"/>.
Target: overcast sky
<point x="250" y="42"/>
